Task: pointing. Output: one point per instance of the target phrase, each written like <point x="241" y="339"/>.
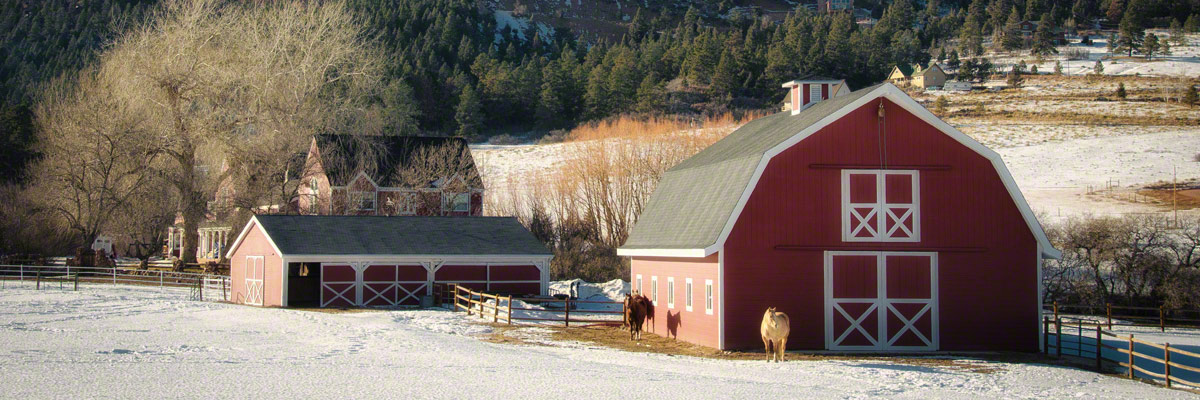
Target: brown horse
<point x="775" y="329"/>
<point x="635" y="314"/>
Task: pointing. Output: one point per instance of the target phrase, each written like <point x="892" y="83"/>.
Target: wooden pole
<point x="1099" y="347"/>
<point x="39" y="280"/>
<point x="567" y="311"/>
<point x="1058" y="341"/>
<point x="1131" y="361"/>
<point x="1167" y="362"/>
<point x="1108" y="312"/>
<point x="1162" y="319"/>
<point x="509" y="317"/>
<point x="76" y="281"/>
<point x="496" y="311"/>
<point x="1056" y="310"/>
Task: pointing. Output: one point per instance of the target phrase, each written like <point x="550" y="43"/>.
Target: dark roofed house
<point x="390" y="175"/>
<point x="342" y="261"/>
<point x="864" y="215"/>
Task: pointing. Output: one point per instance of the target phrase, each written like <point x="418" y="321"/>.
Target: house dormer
<point x="804" y="92"/>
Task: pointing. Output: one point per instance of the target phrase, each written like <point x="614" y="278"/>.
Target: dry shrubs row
<point x="585" y="209"/>
<point x="1132" y="260"/>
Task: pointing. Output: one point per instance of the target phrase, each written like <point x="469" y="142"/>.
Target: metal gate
<point x="881" y="301"/>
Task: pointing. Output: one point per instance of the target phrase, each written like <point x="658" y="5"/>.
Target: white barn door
<point x="254" y="280"/>
<point x="881" y="301"/>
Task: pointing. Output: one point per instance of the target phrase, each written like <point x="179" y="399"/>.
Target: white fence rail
<point x="201" y="286"/>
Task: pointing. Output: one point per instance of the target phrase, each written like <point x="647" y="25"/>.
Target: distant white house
<point x="957" y="86"/>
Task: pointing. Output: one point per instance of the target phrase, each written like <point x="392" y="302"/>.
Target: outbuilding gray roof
<point x="695" y="199"/>
<point x="389" y="235"/>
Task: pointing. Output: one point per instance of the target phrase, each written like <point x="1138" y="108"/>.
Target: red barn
<point x="343" y="261"/>
<point x="872" y="223"/>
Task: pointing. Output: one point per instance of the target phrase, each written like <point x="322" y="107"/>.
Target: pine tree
<point x="1121" y="91"/>
<point x="1015" y="78"/>
<point x="1098" y="69"/>
<point x="1033" y="69"/>
<point x="1081" y="12"/>
<point x="595" y="96"/>
<point x="1131" y="29"/>
<point x="725" y="79"/>
<point x="1012" y="39"/>
<point x="1178" y="37"/>
<point x="1043" y="38"/>
<point x="1192" y="24"/>
<point x="469" y="114"/>
<point x="940" y="105"/>
<point x="1190" y="98"/>
<point x="400" y="109"/>
<point x="1058" y="70"/>
<point x="1033" y="9"/>
<point x="1112" y="44"/>
<point x="953" y="62"/>
<point x="650" y="95"/>
<point x="971" y="38"/>
<point x="1150" y="45"/>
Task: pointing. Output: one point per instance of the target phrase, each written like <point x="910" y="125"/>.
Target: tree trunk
<point x="191" y="205"/>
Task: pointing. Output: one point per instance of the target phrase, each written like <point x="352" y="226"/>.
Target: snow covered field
<point x="123" y="342"/>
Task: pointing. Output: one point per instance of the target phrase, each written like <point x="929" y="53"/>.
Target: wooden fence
<point x="202" y="286"/>
<point x="1153" y="354"/>
<point x="500" y="307"/>
<point x="1160" y="316"/>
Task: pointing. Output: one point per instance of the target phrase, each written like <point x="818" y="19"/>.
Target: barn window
<point x="881" y="206"/>
<point x="671" y="292"/>
<point x="654" y="290"/>
<point x="687" y="293"/>
<point x="362" y="201"/>
<point x="708" y="300"/>
<point x="315" y="194"/>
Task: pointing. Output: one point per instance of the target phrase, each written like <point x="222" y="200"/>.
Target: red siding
<point x="514" y="273"/>
<point x="692" y="326"/>
<point x="461" y="273"/>
<point x="804" y="98"/>
<point x="964" y="206"/>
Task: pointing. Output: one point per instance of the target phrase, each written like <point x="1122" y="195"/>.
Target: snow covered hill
<point x="121" y="342"/>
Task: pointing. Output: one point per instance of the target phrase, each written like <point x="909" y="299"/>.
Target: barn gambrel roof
<point x="698" y="201"/>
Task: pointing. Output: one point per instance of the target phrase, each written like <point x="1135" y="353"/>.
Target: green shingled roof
<point x="695" y="199"/>
<point x="384" y="235"/>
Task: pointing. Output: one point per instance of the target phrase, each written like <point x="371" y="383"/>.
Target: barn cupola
<point x="809" y="90"/>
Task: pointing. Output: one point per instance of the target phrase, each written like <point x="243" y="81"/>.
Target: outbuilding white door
<point x="254" y="280"/>
<point x="881" y="301"/>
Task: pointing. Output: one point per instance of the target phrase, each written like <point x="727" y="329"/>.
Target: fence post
<point x="39" y="280"/>
<point x="509" y="317"/>
<point x="567" y="311"/>
<point x="160" y="281"/>
<point x="1056" y="309"/>
<point x="1108" y="313"/>
<point x="1131" y="360"/>
<point x="114" y="274"/>
<point x="1045" y="334"/>
<point x="1099" y="347"/>
<point x="22" y="268"/>
<point x="1167" y="362"/>
<point x="1058" y="340"/>
<point x="1162" y="318"/>
<point x="76" y="281"/>
<point x="496" y="311"/>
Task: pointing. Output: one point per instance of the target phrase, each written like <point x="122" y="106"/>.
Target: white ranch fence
<point x="198" y="286"/>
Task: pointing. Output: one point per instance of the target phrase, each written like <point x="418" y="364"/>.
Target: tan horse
<point x="775" y="329"/>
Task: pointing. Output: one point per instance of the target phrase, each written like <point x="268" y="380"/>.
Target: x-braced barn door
<point x="881" y="300"/>
<point x="339" y="285"/>
<point x="254" y="280"/>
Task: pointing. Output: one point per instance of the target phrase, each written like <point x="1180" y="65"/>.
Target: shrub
<point x="1121" y="91"/>
<point x="504" y="140"/>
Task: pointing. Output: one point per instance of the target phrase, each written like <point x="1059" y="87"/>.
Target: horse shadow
<point x="673" y="323"/>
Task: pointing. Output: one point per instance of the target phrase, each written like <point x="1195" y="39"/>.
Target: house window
<point x="687" y="293"/>
<point x="458" y="202"/>
<point x="881" y="206"/>
<point x="406" y="204"/>
<point x="671" y="292"/>
<point x="814" y="93"/>
<point x="314" y="190"/>
<point x="708" y="300"/>
<point x="638" y="284"/>
<point x="362" y="201"/>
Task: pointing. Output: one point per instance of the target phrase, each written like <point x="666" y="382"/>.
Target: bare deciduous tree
<point x="244" y="85"/>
